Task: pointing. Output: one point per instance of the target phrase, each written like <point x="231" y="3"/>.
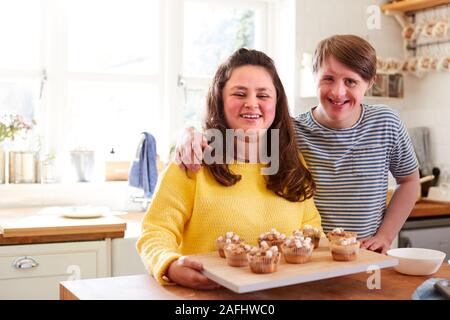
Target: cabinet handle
<point x="25" y="263"/>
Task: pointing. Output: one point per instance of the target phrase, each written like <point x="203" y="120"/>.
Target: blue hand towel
<point x="143" y="172"/>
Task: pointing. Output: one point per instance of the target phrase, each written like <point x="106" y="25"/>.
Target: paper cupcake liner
<point x="344" y="256"/>
<point x="344" y="253"/>
<point x="316" y="242"/>
<point x="236" y="260"/>
<point x="263" y="264"/>
<point x="297" y="255"/>
<point x="221" y="253"/>
<point x="296" y="259"/>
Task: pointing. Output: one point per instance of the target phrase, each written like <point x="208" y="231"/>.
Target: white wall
<point x="427" y="103"/>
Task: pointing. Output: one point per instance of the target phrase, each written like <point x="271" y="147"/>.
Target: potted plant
<point x="10" y="126"/>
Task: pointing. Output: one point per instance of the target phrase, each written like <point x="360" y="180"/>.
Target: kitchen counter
<point x="128" y="224"/>
<point x="143" y="287"/>
<point x="30" y="226"/>
<point x="425" y="208"/>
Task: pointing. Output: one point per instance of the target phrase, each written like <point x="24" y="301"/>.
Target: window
<point x="107" y="115"/>
<point x="207" y="42"/>
<point x="118" y="37"/>
<point x="20" y="57"/>
<point x="222" y="29"/>
<point x="113" y="80"/>
<point x="96" y="73"/>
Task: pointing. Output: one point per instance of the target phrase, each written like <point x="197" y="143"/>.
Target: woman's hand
<point x="378" y="243"/>
<point x="186" y="272"/>
<point x="189" y="149"/>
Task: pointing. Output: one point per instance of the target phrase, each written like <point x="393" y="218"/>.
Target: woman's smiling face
<point x="249" y="98"/>
<point x="340" y="91"/>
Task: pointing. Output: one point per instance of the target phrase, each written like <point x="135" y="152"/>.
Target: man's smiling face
<point x="340" y="91"/>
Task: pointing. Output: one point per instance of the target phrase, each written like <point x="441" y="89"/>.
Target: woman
<point x="350" y="147"/>
<point x="189" y="211"/>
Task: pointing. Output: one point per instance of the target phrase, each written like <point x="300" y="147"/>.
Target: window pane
<point x="119" y="36"/>
<point x="19" y="97"/>
<point x="20" y="34"/>
<point x="104" y="116"/>
<point x="220" y="31"/>
<point x="195" y="108"/>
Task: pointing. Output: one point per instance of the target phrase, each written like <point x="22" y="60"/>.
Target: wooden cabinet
<point x="34" y="271"/>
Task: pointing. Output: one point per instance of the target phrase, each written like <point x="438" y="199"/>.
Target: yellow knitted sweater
<point x="187" y="214"/>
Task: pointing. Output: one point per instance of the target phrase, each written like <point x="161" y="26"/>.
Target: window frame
<point x="202" y="82"/>
<point x="31" y="75"/>
<point x="56" y="99"/>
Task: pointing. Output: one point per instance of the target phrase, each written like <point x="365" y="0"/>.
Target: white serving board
<point x="322" y="266"/>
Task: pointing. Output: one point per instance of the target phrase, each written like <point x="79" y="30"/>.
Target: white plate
<point x="84" y="212"/>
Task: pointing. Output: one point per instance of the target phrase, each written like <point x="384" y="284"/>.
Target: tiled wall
<point x="427" y="104"/>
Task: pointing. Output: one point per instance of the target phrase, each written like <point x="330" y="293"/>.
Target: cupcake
<point x="297" y="233"/>
<point x="273" y="238"/>
<point x="313" y="233"/>
<point x="229" y="238"/>
<point x="345" y="249"/>
<point x="297" y="249"/>
<point x="264" y="259"/>
<point x="236" y="254"/>
<point x="340" y="233"/>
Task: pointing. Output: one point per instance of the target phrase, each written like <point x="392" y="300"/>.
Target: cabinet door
<point x="34" y="271"/>
<point x="125" y="258"/>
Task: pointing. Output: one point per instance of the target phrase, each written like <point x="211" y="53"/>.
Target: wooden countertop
<point x="425" y="208"/>
<point x="143" y="287"/>
<point x="30" y="226"/>
<point x="131" y="223"/>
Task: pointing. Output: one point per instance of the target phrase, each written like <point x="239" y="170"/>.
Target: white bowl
<point x="417" y="261"/>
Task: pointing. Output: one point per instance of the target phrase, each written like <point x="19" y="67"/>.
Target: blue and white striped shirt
<point x="351" y="166"/>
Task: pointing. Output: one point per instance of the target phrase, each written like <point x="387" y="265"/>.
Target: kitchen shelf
<point x="411" y="5"/>
<point x="408" y="13"/>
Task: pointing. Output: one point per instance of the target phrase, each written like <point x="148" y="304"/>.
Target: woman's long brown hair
<point x="293" y="181"/>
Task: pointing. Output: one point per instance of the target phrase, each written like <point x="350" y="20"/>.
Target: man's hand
<point x="378" y="243"/>
<point x="397" y="212"/>
<point x="189" y="149"/>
